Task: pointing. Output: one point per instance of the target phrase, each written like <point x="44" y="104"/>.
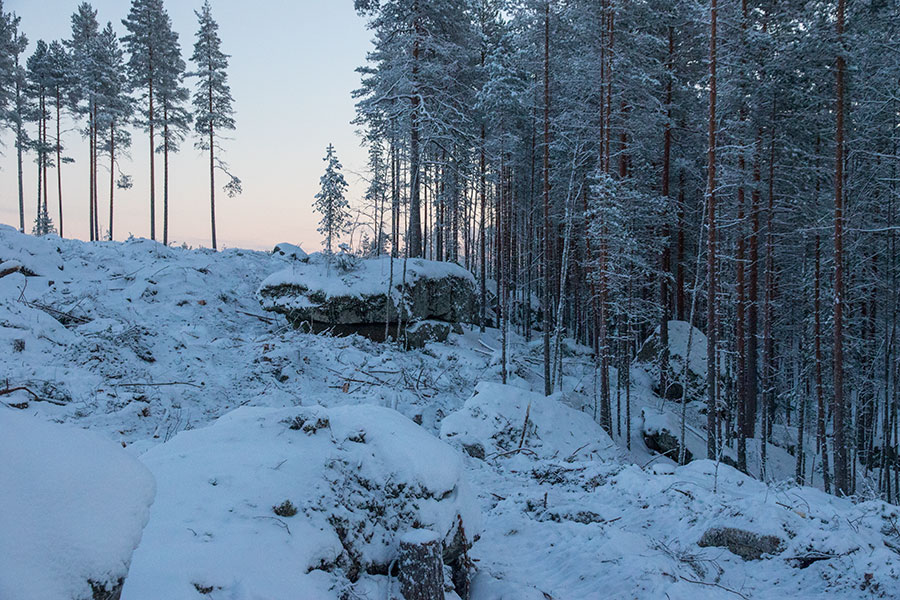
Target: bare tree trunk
<point x="152" y="157"/>
<point x="59" y="160"/>
<point x="414" y="239"/>
<point x="112" y="173"/>
<point x="165" y="173"/>
<point x="711" y="362"/>
<point x="841" y="475"/>
<point x="548" y="282"/>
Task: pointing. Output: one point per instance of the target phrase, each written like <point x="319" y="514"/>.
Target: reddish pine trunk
<point x="841" y="474"/>
<point x="59" y="160"/>
<point x="711" y="408"/>
<point x="112" y="173"/>
<point x="546" y="262"/>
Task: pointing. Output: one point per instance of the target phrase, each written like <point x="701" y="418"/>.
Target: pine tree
<point x="60" y="80"/>
<point x="13" y="88"/>
<point x="331" y="202"/>
<point x="38" y="89"/>
<point x="146" y="44"/>
<point x="171" y="96"/>
<point x="114" y="110"/>
<point x="212" y="104"/>
<point x="83" y="46"/>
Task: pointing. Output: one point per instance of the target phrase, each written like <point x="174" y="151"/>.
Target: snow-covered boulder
<point x="72" y="507"/>
<point x="490" y="424"/>
<point x="659" y="435"/>
<point x="290" y="251"/>
<point x="649" y="355"/>
<point x="359" y="296"/>
<point x="297" y="503"/>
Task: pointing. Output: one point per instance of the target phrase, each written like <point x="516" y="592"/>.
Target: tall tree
<point x="171" y="95"/>
<point x="146" y="44"/>
<point x="212" y="104"/>
<point x="114" y="109"/>
<point x="83" y="46"/>
<point x="841" y="467"/>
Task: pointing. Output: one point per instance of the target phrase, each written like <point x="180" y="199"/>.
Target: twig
<point x="721" y="587"/>
<point x="280" y="522"/>
<point x="266" y="320"/>
<point x="165" y="383"/>
<point x="514" y="451"/>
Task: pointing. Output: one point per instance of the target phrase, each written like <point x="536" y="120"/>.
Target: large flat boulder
<point x="360" y="296"/>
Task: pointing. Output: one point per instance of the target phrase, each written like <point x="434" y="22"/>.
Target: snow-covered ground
<point x="167" y="353"/>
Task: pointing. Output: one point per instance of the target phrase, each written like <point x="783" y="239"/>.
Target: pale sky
<point x="292" y="69"/>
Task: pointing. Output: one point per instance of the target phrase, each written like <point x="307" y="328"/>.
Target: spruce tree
<point x="331" y="202"/>
<point x="212" y="102"/>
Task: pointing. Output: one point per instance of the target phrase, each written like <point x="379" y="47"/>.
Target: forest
<point x="602" y="167"/>
<point x="610" y="311"/>
<point x="606" y="166"/>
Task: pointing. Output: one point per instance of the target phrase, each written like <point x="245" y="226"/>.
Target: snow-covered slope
<point x="72" y="507"/>
<point x="143" y="344"/>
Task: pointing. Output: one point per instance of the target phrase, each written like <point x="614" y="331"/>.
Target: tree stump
<point x="421" y="566"/>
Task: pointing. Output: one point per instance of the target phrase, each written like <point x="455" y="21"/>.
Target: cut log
<point x="421" y="566"/>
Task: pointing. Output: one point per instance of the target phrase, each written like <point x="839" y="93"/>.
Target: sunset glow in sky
<point x="292" y="70"/>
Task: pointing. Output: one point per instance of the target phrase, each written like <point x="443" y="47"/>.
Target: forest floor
<point x="147" y="345"/>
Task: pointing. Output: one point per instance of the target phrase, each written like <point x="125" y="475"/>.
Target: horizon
<point x="266" y="93"/>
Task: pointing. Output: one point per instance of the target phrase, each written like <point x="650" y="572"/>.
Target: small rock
<point x="746" y="544"/>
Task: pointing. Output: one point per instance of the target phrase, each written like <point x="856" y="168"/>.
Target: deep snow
<point x="155" y="348"/>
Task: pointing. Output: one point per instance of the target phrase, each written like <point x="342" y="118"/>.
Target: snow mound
<point x="490" y="424"/>
<point x="296" y="503"/>
<point x="290" y="251"/>
<point x="72" y="507"/>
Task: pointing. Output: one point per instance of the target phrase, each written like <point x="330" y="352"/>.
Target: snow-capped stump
<point x="746" y="544"/>
<point x="290" y="251"/>
<point x="659" y="437"/>
<point x="421" y="566"/>
<point x="72" y="507"/>
<point x="649" y="356"/>
<point x="352" y="296"/>
<point x="490" y="424"/>
<point x="298" y="503"/>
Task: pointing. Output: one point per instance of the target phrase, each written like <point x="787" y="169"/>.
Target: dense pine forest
<point x="603" y="167"/>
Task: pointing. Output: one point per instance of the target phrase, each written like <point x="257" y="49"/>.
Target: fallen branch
<point x="721" y="587"/>
<point x="163" y="384"/>
<point x="36" y="398"/>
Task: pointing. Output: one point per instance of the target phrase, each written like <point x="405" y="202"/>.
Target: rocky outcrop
<point x="650" y="353"/>
<point x="361" y="296"/>
<point x="329" y="493"/>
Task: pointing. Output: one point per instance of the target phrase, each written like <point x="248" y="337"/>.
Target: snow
<point x="167" y="352"/>
<point x="493" y="418"/>
<point x="365" y="277"/>
<point x="72" y="507"/>
<point x="291" y="251"/>
<point x="218" y="486"/>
